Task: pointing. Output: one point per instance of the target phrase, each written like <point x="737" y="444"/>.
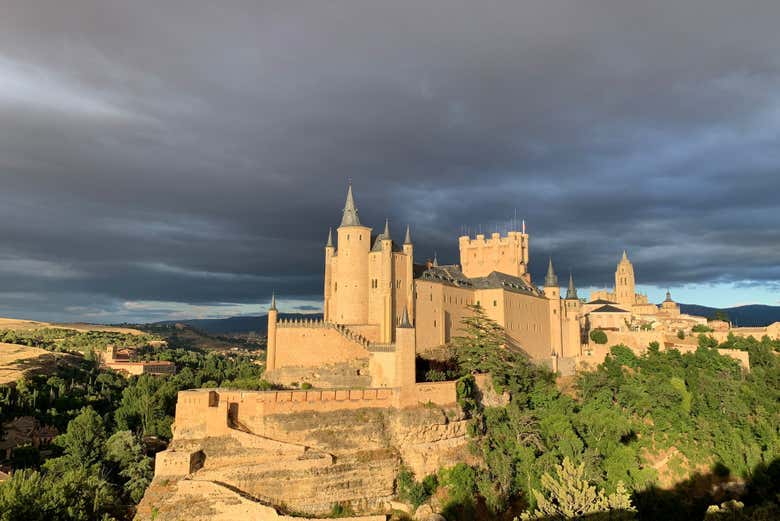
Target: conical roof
<point x="408" y="238"/>
<point x="405" y="319"/>
<point x="350" y="217"/>
<point x="273" y="302"/>
<point x="329" y="244"/>
<point x="551" y="280"/>
<point x="571" y="291"/>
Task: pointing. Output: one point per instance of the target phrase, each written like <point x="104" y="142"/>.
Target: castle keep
<point x="372" y="286"/>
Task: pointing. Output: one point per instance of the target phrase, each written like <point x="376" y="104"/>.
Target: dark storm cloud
<point x="196" y="152"/>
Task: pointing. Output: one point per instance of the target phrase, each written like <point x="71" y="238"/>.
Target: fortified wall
<point x="303" y="451"/>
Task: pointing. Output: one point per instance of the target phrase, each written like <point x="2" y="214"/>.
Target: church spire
<point x="350" y="217"/>
<point x="435" y="260"/>
<point x="330" y="238"/>
<point x="386" y="233"/>
<point x="625" y="255"/>
<point x="273" y="301"/>
<point x="408" y="238"/>
<point x="571" y="292"/>
<point x="551" y="280"/>
<point x="405" y="319"/>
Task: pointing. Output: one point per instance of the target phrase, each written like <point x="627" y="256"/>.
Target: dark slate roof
<point x="350" y="215"/>
<point x="609" y="308"/>
<point x="601" y="301"/>
<point x="378" y="244"/>
<point x="453" y="276"/>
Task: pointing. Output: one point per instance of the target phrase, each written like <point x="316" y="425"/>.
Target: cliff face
<point x="303" y="463"/>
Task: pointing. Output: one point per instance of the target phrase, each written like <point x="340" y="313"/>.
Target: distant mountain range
<point x="755" y="315"/>
<point x="236" y="325"/>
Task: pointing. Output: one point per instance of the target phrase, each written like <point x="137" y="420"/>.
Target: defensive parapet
<point x="313" y="323"/>
<point x="479" y="257"/>
<point x="202" y="413"/>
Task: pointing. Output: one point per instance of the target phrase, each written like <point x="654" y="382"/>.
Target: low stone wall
<point x="314" y="345"/>
<point x="215" y="412"/>
<point x="598" y="353"/>
<point x="354" y="373"/>
<point x="636" y="340"/>
<point x="178" y="462"/>
<point x="438" y="393"/>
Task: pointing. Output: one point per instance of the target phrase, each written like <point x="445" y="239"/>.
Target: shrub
<point x="305" y="385"/>
<point x="598" y="336"/>
<point x="412" y="491"/>
<point x="681" y="334"/>
<point x="701" y="328"/>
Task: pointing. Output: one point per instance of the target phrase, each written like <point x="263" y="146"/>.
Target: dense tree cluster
<point x="637" y="422"/>
<point x="101" y="464"/>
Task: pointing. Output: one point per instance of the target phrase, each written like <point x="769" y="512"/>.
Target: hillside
<point x="17" y="361"/>
<point x="235" y="325"/>
<point x="32" y="325"/>
<point x="754" y="315"/>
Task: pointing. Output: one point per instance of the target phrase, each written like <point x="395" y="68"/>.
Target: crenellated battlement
<point x="483" y="255"/>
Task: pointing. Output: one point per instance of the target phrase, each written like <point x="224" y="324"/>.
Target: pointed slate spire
<point x="408" y="238"/>
<point x="273" y="301"/>
<point x="625" y="255"/>
<point x="350" y="217"/>
<point x="571" y="291"/>
<point x="435" y="260"/>
<point x="551" y="280"/>
<point x="330" y="238"/>
<point x="386" y="233"/>
<point x="405" y="319"/>
<point x="669" y="296"/>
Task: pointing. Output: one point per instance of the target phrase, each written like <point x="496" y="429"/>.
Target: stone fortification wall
<point x="304" y="451"/>
<point x="214" y="412"/>
<point x="596" y="354"/>
<point x="317" y="343"/>
<point x="355" y="373"/>
<point x="636" y="340"/>
<point x="481" y="256"/>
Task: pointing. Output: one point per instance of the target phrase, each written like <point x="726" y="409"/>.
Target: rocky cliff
<point x="303" y="464"/>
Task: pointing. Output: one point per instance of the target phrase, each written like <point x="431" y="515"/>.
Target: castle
<point x="382" y="310"/>
<point x="358" y="413"/>
<point x="374" y="292"/>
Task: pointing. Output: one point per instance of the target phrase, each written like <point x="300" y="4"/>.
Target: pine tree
<point x="569" y="495"/>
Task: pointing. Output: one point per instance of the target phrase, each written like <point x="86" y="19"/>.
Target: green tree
<point x="126" y="451"/>
<point x="569" y="495"/>
<point x="83" y="441"/>
<point x="598" y="336"/>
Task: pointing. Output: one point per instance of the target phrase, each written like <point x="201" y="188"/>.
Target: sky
<point x="177" y="159"/>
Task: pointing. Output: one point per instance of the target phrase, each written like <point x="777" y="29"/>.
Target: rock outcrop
<point x="304" y="463"/>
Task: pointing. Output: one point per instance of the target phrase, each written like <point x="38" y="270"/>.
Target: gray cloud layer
<point x="197" y="152"/>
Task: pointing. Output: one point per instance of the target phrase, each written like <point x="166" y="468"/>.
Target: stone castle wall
<point x="304" y="451"/>
<point x="214" y="412"/>
<point x="480" y="256"/>
<point x="313" y="345"/>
